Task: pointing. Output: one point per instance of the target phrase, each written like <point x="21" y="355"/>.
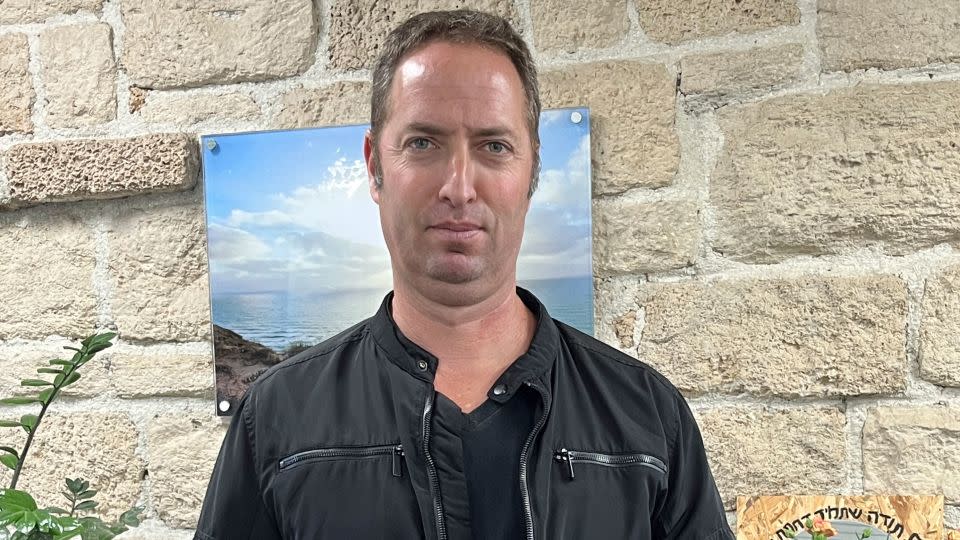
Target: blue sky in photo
<point x="290" y="210"/>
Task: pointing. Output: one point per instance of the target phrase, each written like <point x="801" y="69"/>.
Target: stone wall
<point x="776" y="201"/>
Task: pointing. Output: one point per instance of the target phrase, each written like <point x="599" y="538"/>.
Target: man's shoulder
<point x="589" y="350"/>
<point x="313" y="358"/>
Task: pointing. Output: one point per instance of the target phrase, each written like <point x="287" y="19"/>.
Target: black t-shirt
<point x="491" y="439"/>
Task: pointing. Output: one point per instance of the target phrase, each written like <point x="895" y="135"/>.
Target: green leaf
<point x="60" y="362"/>
<point x="86" y="505"/>
<point x="9" y="423"/>
<point x="58" y="380"/>
<point x="73" y="485"/>
<point x="98" y="347"/>
<point x="10" y="461"/>
<point x="131" y="517"/>
<point x="19" y="400"/>
<point x="14" y="499"/>
<point x="83" y="484"/>
<point x="56" y="510"/>
<point x="28" y="421"/>
<point x="35" y="382"/>
<point x="88" y="494"/>
<point x="9" y="450"/>
<point x="49" y="370"/>
<point x="72" y="378"/>
<point x="71" y="348"/>
<point x="45" y="395"/>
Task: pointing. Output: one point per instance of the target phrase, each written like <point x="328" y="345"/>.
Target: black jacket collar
<point x="421" y="364"/>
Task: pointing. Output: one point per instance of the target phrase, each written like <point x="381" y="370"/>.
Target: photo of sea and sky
<point x="297" y="255"/>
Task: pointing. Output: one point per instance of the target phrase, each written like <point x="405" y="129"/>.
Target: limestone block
<point x="887" y="34"/>
<point x="18" y="362"/>
<point x="69" y="170"/>
<point x="46" y="275"/>
<point x="16" y="86"/>
<point x="98" y="447"/>
<point x="940" y="329"/>
<point x="670" y="21"/>
<point x="34" y="11"/>
<point x="915" y="450"/>
<point x="870" y="166"/>
<point x="358" y="27"/>
<point x="632" y="115"/>
<point x="335" y="104"/>
<point x="169" y="43"/>
<point x="569" y="25"/>
<point x="79" y="74"/>
<point x="812" y="336"/>
<point x="152" y="372"/>
<point x="728" y="74"/>
<point x="774" y="451"/>
<point x="638" y="237"/>
<point x="187" y="110"/>
<point x="183" y="450"/>
<point x="158" y="265"/>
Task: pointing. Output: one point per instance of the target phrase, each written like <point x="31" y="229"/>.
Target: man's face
<point x="456" y="160"/>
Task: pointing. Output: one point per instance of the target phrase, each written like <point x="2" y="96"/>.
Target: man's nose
<point x="459" y="186"/>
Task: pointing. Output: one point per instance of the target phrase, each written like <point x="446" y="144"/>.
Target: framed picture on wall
<point x="296" y="253"/>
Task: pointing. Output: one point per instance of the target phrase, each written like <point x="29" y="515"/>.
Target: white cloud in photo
<point x="339" y="204"/>
<point x="558" y="233"/>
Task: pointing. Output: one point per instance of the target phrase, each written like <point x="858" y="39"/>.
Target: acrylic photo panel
<point x="297" y="255"/>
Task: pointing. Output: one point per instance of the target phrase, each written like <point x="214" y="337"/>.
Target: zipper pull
<point x="564" y="456"/>
<point x="398" y="460"/>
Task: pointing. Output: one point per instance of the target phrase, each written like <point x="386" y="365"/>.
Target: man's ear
<point x="369" y="156"/>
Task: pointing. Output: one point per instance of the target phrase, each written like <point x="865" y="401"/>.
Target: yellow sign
<point x="778" y="517"/>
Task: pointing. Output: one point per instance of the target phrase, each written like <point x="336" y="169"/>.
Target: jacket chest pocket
<point x="614" y="492"/>
<point x="394" y="451"/>
<point x="346" y="491"/>
<point x="571" y="457"/>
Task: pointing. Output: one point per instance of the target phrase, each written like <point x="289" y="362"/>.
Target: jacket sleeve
<point x="693" y="507"/>
<point x="234" y="507"/>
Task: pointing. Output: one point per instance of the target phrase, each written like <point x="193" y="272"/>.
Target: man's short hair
<point x="459" y="26"/>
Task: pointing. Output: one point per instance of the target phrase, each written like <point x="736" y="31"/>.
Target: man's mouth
<point x="456" y="231"/>
<point x="457" y="226"/>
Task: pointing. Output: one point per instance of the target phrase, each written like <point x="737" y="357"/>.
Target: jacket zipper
<point x="524" y="489"/>
<point x="356" y="452"/>
<point x="569" y="457"/>
<point x="432" y="469"/>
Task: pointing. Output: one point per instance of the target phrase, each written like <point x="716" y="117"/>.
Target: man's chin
<point x="455" y="272"/>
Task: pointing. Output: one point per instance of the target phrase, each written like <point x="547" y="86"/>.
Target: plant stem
<point x="36" y="425"/>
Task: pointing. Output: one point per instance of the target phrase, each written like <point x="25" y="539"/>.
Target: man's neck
<point x="474" y="344"/>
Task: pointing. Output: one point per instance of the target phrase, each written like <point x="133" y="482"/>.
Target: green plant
<point x="20" y="517"/>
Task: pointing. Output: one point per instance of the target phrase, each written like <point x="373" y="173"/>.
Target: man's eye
<point x="497" y="147"/>
<point x="419" y="143"/>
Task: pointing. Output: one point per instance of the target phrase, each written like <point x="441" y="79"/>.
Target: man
<point x="461" y="409"/>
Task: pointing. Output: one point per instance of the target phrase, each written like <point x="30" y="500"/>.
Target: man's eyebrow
<point x="431" y="129"/>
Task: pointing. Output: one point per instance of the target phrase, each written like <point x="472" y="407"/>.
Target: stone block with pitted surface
<point x="868" y="166"/>
<point x="808" y="336"/>
<point x="632" y="132"/>
<point x="768" y="450"/>
<point x="79" y="74"/>
<point x="357" y="27"/>
<point x="77" y="169"/>
<point x="171" y="44"/>
<point x="887" y="34"/>
<point x="913" y="450"/>
<point x="16" y="88"/>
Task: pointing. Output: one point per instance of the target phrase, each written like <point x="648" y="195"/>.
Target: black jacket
<point x="335" y="443"/>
